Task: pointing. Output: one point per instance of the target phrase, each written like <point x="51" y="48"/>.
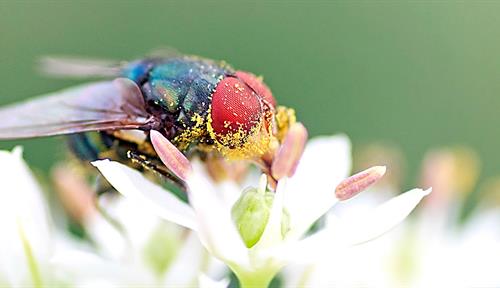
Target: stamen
<point x="170" y="155"/>
<point x="351" y="186"/>
<point x="290" y="152"/>
<point x="262" y="183"/>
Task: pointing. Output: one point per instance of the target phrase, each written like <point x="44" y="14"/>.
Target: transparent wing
<point x="74" y="67"/>
<point x="163" y="52"/>
<point x="107" y="105"/>
<point x="83" y="67"/>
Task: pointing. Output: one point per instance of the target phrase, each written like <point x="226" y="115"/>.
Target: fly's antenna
<point x="74" y="67"/>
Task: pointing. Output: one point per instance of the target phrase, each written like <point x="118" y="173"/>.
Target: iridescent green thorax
<point x="207" y="105"/>
<point x="178" y="88"/>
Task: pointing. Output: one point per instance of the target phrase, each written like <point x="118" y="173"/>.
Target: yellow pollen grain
<point x="242" y="144"/>
<point x="192" y="134"/>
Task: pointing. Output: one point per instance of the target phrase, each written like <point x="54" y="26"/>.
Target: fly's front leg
<point x="153" y="165"/>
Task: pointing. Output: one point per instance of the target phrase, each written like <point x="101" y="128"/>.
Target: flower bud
<point x="251" y="214"/>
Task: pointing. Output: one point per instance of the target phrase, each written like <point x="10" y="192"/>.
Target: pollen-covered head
<point x="237" y="119"/>
<point x="258" y="86"/>
<point x="234" y="107"/>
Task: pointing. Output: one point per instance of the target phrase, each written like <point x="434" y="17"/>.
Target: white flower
<point x="425" y="252"/>
<point x="355" y="266"/>
<point x="139" y="249"/>
<point x="25" y="244"/>
<point x="433" y="249"/>
<point x="136" y="247"/>
<point x="446" y="254"/>
<point x="148" y="251"/>
<point x="296" y="205"/>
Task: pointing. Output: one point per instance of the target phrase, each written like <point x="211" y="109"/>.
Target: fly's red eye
<point x="235" y="107"/>
<point x="257" y="85"/>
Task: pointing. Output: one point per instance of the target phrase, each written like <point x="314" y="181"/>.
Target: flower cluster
<point x="255" y="232"/>
<point x="136" y="248"/>
<point x="252" y="230"/>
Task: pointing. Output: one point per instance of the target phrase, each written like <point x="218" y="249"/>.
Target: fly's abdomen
<point x="92" y="146"/>
<point x="114" y="145"/>
<point x="83" y="147"/>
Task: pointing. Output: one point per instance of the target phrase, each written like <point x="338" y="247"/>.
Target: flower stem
<point x="257" y="279"/>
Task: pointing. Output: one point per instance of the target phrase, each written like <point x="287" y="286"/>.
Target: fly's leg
<point x="151" y="164"/>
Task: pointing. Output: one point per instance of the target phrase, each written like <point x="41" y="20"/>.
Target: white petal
<point x="215" y="226"/>
<point x="23" y="218"/>
<point x="306" y="251"/>
<point x="272" y="234"/>
<point x="108" y="239"/>
<point x="342" y="233"/>
<point x="136" y="227"/>
<point x="311" y="191"/>
<point x="184" y="270"/>
<point x="206" y="282"/>
<point x="296" y="275"/>
<point x="371" y="224"/>
<point x="150" y="196"/>
<point x="84" y="268"/>
<point x="228" y="190"/>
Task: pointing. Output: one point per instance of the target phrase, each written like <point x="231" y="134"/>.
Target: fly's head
<point x="246" y="123"/>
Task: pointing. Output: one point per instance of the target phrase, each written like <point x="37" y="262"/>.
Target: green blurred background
<point x="416" y="74"/>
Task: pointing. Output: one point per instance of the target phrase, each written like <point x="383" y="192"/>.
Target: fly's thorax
<point x="138" y="71"/>
<point x="182" y="87"/>
<point x="177" y="91"/>
<point x="195" y="135"/>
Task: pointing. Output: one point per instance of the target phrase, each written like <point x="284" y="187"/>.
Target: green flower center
<point x="251" y="213"/>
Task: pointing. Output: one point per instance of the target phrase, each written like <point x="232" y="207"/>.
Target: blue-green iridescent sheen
<point x="174" y="89"/>
<point x="181" y="86"/>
